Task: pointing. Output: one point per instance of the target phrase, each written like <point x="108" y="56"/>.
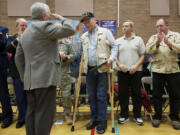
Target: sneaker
<point x="176" y="125"/>
<point x="155" y="123"/>
<point x="139" y="121"/>
<point x="122" y="120"/>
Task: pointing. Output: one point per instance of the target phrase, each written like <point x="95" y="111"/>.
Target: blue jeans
<point x="97" y="84"/>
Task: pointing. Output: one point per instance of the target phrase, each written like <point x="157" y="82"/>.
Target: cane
<point x="77" y="92"/>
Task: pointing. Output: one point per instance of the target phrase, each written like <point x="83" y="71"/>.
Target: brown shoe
<point x="68" y="119"/>
<point x="156" y="123"/>
<point x="176" y="125"/>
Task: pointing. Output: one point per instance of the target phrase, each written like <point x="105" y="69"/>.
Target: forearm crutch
<point x="77" y="92"/>
<point x="111" y="95"/>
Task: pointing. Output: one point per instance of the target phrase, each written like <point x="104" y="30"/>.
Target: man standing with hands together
<point x="130" y="58"/>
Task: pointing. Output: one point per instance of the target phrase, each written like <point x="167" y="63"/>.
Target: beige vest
<point x="101" y="49"/>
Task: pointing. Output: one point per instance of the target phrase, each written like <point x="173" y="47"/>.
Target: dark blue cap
<point x="86" y="16"/>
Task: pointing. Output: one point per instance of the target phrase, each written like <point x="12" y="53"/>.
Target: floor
<point x="129" y="128"/>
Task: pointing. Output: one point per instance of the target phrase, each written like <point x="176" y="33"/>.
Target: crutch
<point x="111" y="95"/>
<point x="77" y="92"/>
<point x="112" y="99"/>
<point x="111" y="88"/>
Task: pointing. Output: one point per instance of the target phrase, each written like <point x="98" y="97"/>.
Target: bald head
<point x="21" y="25"/>
<point x="19" y="20"/>
<point x="162" y="20"/>
<point x="162" y="25"/>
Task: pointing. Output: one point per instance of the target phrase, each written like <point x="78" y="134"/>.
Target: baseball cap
<point x="86" y="16"/>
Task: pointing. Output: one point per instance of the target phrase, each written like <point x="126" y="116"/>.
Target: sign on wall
<point x="20" y="7"/>
<point x="73" y="7"/>
<point x="179" y="7"/>
<point x="109" y="24"/>
<point x="159" y="7"/>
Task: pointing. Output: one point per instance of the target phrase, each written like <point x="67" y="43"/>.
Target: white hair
<point x="38" y="9"/>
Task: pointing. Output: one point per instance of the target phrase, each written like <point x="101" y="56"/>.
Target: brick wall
<point x="135" y="10"/>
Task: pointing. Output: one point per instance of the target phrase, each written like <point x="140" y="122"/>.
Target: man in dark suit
<point x="12" y="43"/>
<point x="38" y="62"/>
<point x="4" y="94"/>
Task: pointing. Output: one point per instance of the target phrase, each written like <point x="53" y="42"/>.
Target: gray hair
<point x="38" y="9"/>
<point x="20" y="20"/>
<point x="131" y="23"/>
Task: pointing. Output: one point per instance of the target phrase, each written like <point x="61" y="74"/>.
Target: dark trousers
<point x="41" y="108"/>
<point x="173" y="85"/>
<point x="128" y="82"/>
<point x="4" y="97"/>
<point x="20" y="98"/>
<point x="97" y="84"/>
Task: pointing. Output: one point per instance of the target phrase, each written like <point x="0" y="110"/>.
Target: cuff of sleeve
<point x="62" y="20"/>
<point x="16" y="41"/>
<point x="111" y="58"/>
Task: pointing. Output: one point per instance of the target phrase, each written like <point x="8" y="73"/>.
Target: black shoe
<point x="91" y="125"/>
<point x="6" y="123"/>
<point x="176" y="124"/>
<point x="156" y="123"/>
<point x="19" y="124"/>
<point x="101" y="127"/>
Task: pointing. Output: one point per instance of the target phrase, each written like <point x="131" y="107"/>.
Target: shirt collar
<point x="95" y="30"/>
<point x="132" y="37"/>
<point x="169" y="33"/>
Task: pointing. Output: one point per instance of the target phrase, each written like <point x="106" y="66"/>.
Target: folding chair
<point x="148" y="80"/>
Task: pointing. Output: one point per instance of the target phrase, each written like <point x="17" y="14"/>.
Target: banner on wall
<point x="109" y="24"/>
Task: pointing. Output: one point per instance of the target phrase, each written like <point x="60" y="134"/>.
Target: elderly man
<point x="38" y="61"/>
<point x="95" y="53"/>
<point x="7" y="115"/>
<point x="21" y="25"/>
<point x="165" y="46"/>
<point x="131" y="54"/>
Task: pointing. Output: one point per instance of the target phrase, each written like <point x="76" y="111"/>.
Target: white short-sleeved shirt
<point x="130" y="50"/>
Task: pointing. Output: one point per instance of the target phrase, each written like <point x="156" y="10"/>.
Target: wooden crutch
<point x="112" y="99"/>
<point x="111" y="88"/>
<point x="111" y="95"/>
<point x="77" y="92"/>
